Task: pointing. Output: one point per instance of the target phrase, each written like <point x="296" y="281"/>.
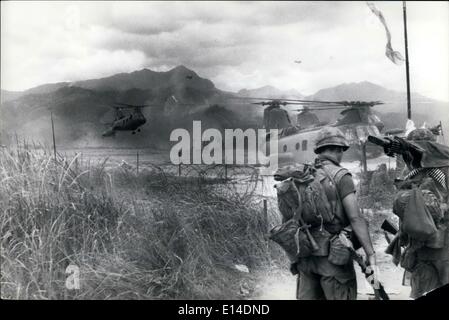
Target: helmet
<point x="421" y="135"/>
<point x="330" y="136"/>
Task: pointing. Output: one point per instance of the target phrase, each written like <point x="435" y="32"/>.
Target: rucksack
<point x="302" y="191"/>
<point x="314" y="184"/>
<point x="419" y="209"/>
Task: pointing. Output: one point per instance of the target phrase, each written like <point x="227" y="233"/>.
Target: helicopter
<point x="130" y="122"/>
<point x="295" y="141"/>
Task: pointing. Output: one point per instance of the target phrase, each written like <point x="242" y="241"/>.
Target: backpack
<point x="304" y="190"/>
<point x="316" y="185"/>
<point x="419" y="208"/>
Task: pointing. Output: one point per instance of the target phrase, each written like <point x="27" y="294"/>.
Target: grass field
<point x="148" y="236"/>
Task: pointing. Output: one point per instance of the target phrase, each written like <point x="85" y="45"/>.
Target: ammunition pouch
<point x="339" y="254"/>
<point x="304" y="246"/>
<point x="322" y="238"/>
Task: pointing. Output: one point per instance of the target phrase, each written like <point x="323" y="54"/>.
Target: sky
<point x="235" y="44"/>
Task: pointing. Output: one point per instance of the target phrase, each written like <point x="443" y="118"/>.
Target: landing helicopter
<point x="295" y="141"/>
<point x="130" y="122"/>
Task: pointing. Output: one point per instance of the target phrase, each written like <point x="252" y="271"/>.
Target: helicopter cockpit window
<point x="284" y="148"/>
<point x="297" y="146"/>
<point x="304" y="145"/>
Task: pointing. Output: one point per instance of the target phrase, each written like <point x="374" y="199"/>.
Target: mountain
<point x="46" y="88"/>
<point x="394" y="112"/>
<point x="271" y="93"/>
<point x="147" y="79"/>
<point x="6" y="95"/>
<point x="79" y="107"/>
<point x="180" y="95"/>
<point x="365" y="91"/>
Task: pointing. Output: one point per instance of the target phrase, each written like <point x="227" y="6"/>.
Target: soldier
<point x="322" y="278"/>
<point x="428" y="169"/>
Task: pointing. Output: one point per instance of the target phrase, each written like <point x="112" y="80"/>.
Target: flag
<point x="394" y="56"/>
<point x="409" y="127"/>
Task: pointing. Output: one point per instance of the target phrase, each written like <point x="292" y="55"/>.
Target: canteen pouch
<point x="339" y="254"/>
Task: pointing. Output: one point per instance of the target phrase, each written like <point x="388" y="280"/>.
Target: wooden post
<point x="179" y="169"/>
<point x="226" y="172"/>
<point x="53" y="134"/>
<point x="137" y="156"/>
<point x="365" y="166"/>
<point x="265" y="214"/>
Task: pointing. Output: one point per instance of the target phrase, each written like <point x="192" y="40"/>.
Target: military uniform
<point x="320" y="279"/>
<point x="429" y="267"/>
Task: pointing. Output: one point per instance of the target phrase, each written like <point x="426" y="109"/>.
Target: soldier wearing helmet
<point x="426" y="261"/>
<point x="320" y="277"/>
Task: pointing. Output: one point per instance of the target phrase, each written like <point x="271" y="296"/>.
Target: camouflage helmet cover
<point x="421" y="135"/>
<point x="330" y="136"/>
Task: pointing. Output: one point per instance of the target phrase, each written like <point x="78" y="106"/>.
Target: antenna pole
<point x="53" y="134"/>
<point x="409" y="107"/>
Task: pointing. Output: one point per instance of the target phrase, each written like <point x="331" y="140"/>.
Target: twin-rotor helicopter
<point x="295" y="140"/>
<point x="131" y="121"/>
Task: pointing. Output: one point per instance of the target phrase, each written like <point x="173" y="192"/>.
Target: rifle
<point x="379" y="291"/>
<point x="389" y="228"/>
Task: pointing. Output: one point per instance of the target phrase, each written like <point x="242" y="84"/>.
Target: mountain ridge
<point x="79" y="106"/>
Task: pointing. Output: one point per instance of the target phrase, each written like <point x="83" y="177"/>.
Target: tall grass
<point x="146" y="236"/>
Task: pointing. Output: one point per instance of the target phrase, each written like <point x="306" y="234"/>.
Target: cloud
<point x="235" y="44"/>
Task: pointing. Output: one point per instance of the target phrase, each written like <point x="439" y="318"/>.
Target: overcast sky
<point x="235" y="44"/>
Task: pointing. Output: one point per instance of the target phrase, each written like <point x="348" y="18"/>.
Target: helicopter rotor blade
<point x="282" y="99"/>
<point x="320" y="109"/>
<point x="315" y="102"/>
<point x="125" y="105"/>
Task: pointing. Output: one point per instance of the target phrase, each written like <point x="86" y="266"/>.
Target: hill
<point x="182" y="96"/>
<point x="78" y="107"/>
<point x="394" y="112"/>
<point x="270" y="92"/>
